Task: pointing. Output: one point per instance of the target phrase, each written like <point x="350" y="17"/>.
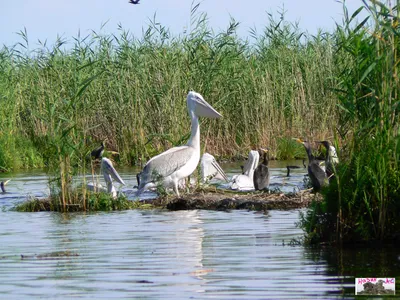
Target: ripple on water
<point x="157" y="254"/>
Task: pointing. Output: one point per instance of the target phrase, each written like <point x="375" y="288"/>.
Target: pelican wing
<point x="166" y="163"/>
<point x="109" y="170"/>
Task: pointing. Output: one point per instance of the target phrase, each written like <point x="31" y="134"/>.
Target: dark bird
<point x="261" y="173"/>
<point x="294" y="167"/>
<point x="315" y="172"/>
<point x="98" y="152"/>
<point x="289" y="168"/>
<point x="134" y="2"/>
<point x="3" y="184"/>
<point x="331" y="159"/>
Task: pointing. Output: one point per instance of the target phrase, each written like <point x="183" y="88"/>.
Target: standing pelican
<point x="315" y="172"/>
<point x="3" y="184"/>
<point x="179" y="162"/>
<point x="261" y="174"/>
<point x="209" y="168"/>
<point x="331" y="159"/>
<point x="109" y="174"/>
<point x="244" y="182"/>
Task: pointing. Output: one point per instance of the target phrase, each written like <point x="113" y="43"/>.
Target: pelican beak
<point x="203" y="109"/>
<point x="108" y="168"/>
<point x="264" y="149"/>
<point x="219" y="170"/>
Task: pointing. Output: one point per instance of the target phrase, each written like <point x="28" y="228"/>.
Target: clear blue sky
<point x="44" y="19"/>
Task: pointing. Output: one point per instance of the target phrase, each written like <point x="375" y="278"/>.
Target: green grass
<point x="93" y="202"/>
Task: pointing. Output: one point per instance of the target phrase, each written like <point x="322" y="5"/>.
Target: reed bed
<point x="362" y="202"/>
<point x="131" y="92"/>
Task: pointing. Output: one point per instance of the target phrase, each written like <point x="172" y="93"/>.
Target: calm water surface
<point x="172" y="255"/>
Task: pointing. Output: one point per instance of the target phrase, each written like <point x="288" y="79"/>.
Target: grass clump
<point x="361" y="203"/>
<point x="93" y="202"/>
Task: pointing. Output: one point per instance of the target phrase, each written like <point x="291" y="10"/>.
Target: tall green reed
<point x="362" y="203"/>
<point x="276" y="85"/>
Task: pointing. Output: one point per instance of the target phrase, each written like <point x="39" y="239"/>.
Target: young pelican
<point x="331" y="159"/>
<point x="109" y="174"/>
<point x="209" y="169"/>
<point x="244" y="182"/>
<point x="177" y="163"/>
<point x="315" y="172"/>
<point x="3" y="184"/>
<point x="261" y="174"/>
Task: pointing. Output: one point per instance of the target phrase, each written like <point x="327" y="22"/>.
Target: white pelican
<point x="331" y="158"/>
<point x="109" y="174"/>
<point x="244" y="182"/>
<point x="3" y="184"/>
<point x="177" y="163"/>
<point x="261" y="174"/>
<point x="209" y="169"/>
<point x="315" y="172"/>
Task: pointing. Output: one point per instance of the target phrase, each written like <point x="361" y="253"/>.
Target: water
<point x="172" y="255"/>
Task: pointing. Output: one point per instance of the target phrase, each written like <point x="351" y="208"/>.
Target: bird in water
<point x="3" y="184"/>
<point x="109" y="174"/>
<point x="315" y="172"/>
<point x="261" y="173"/>
<point x="98" y="152"/>
<point x="245" y="182"/>
<point x="331" y="159"/>
<point x="178" y="163"/>
<point x="290" y="167"/>
<point x="209" y="169"/>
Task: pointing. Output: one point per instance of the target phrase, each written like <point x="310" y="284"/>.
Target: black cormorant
<point x="315" y="172"/>
<point x="98" y="152"/>
<point x="261" y="173"/>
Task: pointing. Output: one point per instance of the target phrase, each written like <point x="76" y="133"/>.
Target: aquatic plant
<point x="361" y="203"/>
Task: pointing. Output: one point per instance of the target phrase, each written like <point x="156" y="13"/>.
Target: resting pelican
<point x="261" y="174"/>
<point x="244" y="182"/>
<point x="331" y="158"/>
<point x="315" y="172"/>
<point x="177" y="163"/>
<point x="3" y="184"/>
<point x="109" y="174"/>
<point x="209" y="168"/>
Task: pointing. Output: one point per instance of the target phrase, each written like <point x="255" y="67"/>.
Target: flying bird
<point x="134" y="2"/>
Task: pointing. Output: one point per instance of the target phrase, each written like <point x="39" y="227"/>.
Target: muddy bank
<point x="226" y="200"/>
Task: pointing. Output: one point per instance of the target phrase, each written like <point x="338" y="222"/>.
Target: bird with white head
<point x="177" y="163"/>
